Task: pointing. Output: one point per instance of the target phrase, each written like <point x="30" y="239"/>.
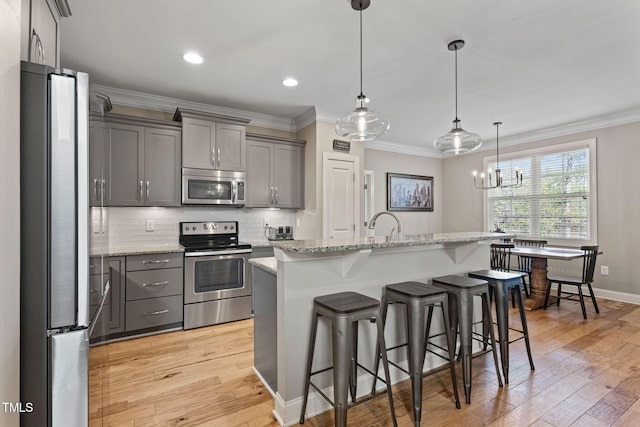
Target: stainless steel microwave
<point x="212" y="187"/>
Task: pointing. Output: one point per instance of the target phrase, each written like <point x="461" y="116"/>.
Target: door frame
<point x="326" y="156"/>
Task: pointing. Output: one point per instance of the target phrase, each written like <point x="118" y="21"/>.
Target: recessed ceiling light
<point x="192" y="58"/>
<point x="290" y="82"/>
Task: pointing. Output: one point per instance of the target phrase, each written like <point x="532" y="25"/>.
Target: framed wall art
<point x="409" y="192"/>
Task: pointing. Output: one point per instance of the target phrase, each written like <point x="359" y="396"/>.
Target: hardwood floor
<point x="587" y="374"/>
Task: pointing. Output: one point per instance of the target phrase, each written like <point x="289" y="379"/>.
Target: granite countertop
<point x="143" y="250"/>
<point x="334" y="245"/>
<point x="268" y="264"/>
<point x="258" y="243"/>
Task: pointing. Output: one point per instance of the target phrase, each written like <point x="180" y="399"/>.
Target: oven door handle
<point x="213" y="253"/>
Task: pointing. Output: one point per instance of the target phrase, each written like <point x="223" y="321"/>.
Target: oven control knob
<point x="225" y="227"/>
<point x="186" y="228"/>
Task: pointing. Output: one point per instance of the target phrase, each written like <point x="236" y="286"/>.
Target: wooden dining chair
<point x="524" y="262"/>
<point x="588" y="267"/>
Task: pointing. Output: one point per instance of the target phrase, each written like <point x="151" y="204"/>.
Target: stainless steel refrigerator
<point x="54" y="253"/>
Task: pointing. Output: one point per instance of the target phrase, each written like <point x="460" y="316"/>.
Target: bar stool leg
<point x="485" y="304"/>
<point x="384" y="307"/>
<point x="385" y="364"/>
<point x="502" y="314"/>
<point x="450" y="347"/>
<point x="341" y="337"/>
<point x="525" y="330"/>
<point x="415" y="353"/>
<point x="353" y="371"/>
<point x="312" y="344"/>
<point x="465" y="314"/>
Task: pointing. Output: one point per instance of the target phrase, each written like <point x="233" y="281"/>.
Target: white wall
<point x="381" y="162"/>
<point x="618" y="151"/>
<point x="9" y="206"/>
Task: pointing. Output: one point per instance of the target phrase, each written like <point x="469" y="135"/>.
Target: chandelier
<point x="495" y="177"/>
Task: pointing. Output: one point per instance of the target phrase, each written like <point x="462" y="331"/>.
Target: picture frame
<point x="409" y="192"/>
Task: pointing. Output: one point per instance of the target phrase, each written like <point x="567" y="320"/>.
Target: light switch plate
<point x="149" y="225"/>
<point x="604" y="270"/>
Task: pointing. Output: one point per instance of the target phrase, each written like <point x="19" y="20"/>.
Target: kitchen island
<point x="310" y="268"/>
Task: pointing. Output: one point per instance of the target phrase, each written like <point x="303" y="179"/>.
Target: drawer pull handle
<point x="156" y="313"/>
<point x="92" y="291"/>
<point x="166" y="282"/>
<point x="162" y="261"/>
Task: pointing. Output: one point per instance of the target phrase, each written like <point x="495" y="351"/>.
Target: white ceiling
<point x="534" y="65"/>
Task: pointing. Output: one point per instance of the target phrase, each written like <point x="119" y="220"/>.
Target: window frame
<point x="591" y="145"/>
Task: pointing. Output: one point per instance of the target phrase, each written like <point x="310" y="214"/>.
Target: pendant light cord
<point x="497" y="148"/>
<point x="456" y="86"/>
<point x="361" y="94"/>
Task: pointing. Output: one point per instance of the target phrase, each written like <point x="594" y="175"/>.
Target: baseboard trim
<point x="612" y="295"/>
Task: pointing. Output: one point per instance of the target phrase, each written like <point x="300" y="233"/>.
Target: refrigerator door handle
<point x="82" y="141"/>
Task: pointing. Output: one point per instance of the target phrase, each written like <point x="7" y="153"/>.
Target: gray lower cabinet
<point x="154" y="292"/>
<point x="142" y="161"/>
<point x="111" y="320"/>
<point x="265" y="325"/>
<point x="275" y="172"/>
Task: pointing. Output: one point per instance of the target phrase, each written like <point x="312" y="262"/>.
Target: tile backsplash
<point x="126" y="227"/>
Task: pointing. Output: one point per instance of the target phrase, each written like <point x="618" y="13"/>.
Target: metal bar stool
<point x="344" y="310"/>
<point x="461" y="291"/>
<point x="418" y="296"/>
<point x="501" y="284"/>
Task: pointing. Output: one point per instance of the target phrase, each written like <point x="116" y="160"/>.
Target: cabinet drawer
<point x="148" y="313"/>
<point x="154" y="283"/>
<point x="95" y="290"/>
<point x="153" y="261"/>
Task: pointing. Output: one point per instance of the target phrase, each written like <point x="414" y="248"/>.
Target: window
<point x="557" y="198"/>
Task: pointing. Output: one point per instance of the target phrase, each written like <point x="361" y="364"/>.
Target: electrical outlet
<point x="149" y="225"/>
<point x="604" y="270"/>
<point x="96" y="228"/>
<point x="265" y="222"/>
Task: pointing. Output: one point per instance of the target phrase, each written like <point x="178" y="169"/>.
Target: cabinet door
<point x="162" y="167"/>
<point x="230" y="147"/>
<point x="259" y="189"/>
<point x="124" y="165"/>
<point x="116" y="283"/>
<point x="96" y="162"/>
<point x="288" y="176"/>
<point x="43" y="35"/>
<point x="198" y="144"/>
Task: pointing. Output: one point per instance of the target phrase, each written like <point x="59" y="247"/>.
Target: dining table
<point x="539" y="261"/>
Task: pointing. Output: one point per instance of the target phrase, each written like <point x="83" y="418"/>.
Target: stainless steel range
<point x="217" y="288"/>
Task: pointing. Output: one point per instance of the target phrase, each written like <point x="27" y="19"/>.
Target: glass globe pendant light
<point x="361" y="124"/>
<point x="457" y="140"/>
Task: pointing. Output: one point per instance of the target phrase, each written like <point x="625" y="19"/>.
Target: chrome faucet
<point x="372" y="222"/>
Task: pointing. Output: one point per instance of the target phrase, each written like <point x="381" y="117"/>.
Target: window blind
<point x="553" y="201"/>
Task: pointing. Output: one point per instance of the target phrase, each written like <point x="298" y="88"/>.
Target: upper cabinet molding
<point x="212" y="117"/>
<point x="63" y="8"/>
<point x="142" y="121"/>
<point x="276" y="139"/>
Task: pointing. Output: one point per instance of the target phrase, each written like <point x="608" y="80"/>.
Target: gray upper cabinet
<point x="42" y="37"/>
<point x="142" y="162"/>
<point x="275" y="172"/>
<point x="96" y="162"/>
<point x="124" y="147"/>
<point x="212" y="141"/>
<point x="161" y="167"/>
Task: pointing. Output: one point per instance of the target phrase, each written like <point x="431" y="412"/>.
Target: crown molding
<point x="566" y="129"/>
<point x="306" y="118"/>
<point x="130" y="98"/>
<point x="403" y="149"/>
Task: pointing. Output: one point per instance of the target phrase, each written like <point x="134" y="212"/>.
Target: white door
<point x="341" y="198"/>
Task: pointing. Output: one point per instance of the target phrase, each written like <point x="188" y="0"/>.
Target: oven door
<point x="215" y="277"/>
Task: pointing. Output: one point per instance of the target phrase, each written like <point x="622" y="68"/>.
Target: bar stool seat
<point x="461" y="291"/>
<point x="344" y="310"/>
<point x="418" y="296"/>
<point x="502" y="284"/>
